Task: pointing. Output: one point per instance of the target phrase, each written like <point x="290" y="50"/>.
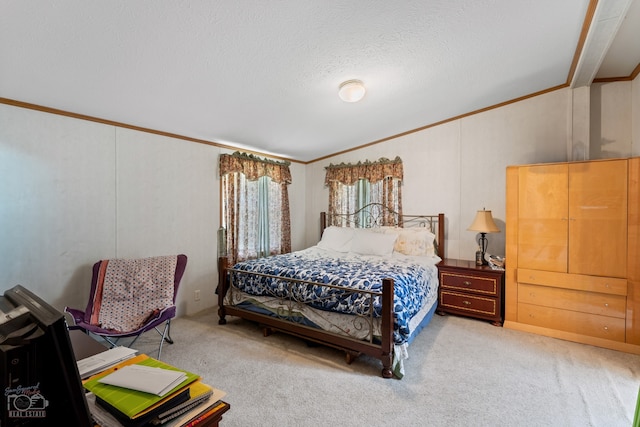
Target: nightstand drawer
<point x="467" y="283"/>
<point x="454" y="301"/>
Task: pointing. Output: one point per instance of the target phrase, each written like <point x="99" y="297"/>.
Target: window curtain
<point x="352" y="186"/>
<point x="255" y="206"/>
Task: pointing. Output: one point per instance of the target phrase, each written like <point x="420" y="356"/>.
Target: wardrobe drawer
<point x="465" y="303"/>
<point x="469" y="283"/>
<point x="610" y="328"/>
<point x="568" y="299"/>
<point x="579" y="282"/>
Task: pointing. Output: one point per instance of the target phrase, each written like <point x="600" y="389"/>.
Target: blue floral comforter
<point x="412" y="283"/>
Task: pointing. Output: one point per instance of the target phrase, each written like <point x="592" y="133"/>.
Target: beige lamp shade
<point x="483" y="223"/>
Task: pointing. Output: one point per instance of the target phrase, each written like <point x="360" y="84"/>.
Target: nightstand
<point x="470" y="290"/>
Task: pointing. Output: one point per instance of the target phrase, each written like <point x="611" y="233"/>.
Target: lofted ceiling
<point x="263" y="75"/>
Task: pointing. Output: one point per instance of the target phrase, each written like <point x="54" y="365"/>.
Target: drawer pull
<point x="466" y="302"/>
<point x="466" y="283"/>
<point x="606" y="304"/>
<point x="606" y="328"/>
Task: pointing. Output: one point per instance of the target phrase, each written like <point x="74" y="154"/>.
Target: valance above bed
<point x="349" y="173"/>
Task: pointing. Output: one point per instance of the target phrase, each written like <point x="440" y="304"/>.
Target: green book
<point x="132" y="402"/>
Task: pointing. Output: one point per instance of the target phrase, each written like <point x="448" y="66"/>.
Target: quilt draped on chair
<point x="130" y="291"/>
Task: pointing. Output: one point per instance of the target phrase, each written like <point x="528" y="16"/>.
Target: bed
<point x="365" y="288"/>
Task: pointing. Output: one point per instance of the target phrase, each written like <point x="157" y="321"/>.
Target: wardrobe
<point x="573" y="251"/>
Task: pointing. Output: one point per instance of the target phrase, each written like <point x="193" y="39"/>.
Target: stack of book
<point x="142" y="391"/>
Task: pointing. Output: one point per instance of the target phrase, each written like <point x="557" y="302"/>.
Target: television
<point x="40" y="380"/>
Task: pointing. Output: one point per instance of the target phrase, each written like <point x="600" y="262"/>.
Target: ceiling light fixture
<point x="351" y="91"/>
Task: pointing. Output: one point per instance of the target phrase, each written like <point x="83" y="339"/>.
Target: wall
<point x="610" y="105"/>
<point x="73" y="192"/>
<point x="459" y="167"/>
<point x="580" y="124"/>
<point x="57" y="202"/>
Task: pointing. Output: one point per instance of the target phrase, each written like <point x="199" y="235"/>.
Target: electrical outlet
<point x="196" y="295"/>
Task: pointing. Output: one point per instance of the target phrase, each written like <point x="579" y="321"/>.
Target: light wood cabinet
<point x="572" y="251"/>
<point x="633" y="253"/>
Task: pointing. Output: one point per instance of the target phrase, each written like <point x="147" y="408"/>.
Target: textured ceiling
<point x="263" y="75"/>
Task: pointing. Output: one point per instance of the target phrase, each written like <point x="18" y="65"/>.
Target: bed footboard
<point x="284" y="316"/>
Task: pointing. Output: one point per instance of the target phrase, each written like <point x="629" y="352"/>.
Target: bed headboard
<point x="376" y="215"/>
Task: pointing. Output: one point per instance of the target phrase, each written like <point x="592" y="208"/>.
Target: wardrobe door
<point x="598" y="218"/>
<point x="542" y="221"/>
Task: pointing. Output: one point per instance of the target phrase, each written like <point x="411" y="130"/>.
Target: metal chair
<point x="129" y="307"/>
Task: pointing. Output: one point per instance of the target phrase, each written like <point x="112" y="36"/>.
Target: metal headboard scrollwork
<point x="373" y="215"/>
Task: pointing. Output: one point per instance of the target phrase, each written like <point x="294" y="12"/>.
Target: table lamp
<point x="483" y="223"/>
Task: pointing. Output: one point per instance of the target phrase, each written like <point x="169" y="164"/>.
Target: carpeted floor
<point x="460" y="372"/>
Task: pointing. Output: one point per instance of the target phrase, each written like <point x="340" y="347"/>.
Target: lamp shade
<point x="351" y="91"/>
<point x="483" y="223"/>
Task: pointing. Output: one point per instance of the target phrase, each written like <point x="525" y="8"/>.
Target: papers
<point x="206" y="398"/>
<point x="149" y="379"/>
<point x="143" y="419"/>
<point x="198" y="412"/>
<point x="101" y="361"/>
<point x="188" y="402"/>
<point x="133" y="403"/>
<point x="200" y="393"/>
<point x="101" y="416"/>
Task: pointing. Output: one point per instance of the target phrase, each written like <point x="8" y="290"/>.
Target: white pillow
<point x="336" y="238"/>
<point x="414" y="241"/>
<point x="366" y="242"/>
<point x="383" y="229"/>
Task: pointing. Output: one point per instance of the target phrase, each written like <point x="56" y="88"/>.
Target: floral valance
<point x="254" y="167"/>
<point x="349" y="174"/>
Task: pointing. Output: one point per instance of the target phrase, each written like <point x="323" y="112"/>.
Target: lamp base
<point x="484" y="259"/>
<point x="483" y="250"/>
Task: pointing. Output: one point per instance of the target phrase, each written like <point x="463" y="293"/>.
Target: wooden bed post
<point x="223" y="285"/>
<point x="441" y="235"/>
<point x="323" y="222"/>
<point x="387" y="328"/>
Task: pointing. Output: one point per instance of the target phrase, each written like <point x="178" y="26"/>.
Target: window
<point x="352" y="187"/>
<point x="255" y="207"/>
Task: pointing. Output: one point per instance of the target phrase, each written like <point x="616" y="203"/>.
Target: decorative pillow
<point x="336" y="238"/>
<point x="415" y="241"/>
<point x="366" y="242"/>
